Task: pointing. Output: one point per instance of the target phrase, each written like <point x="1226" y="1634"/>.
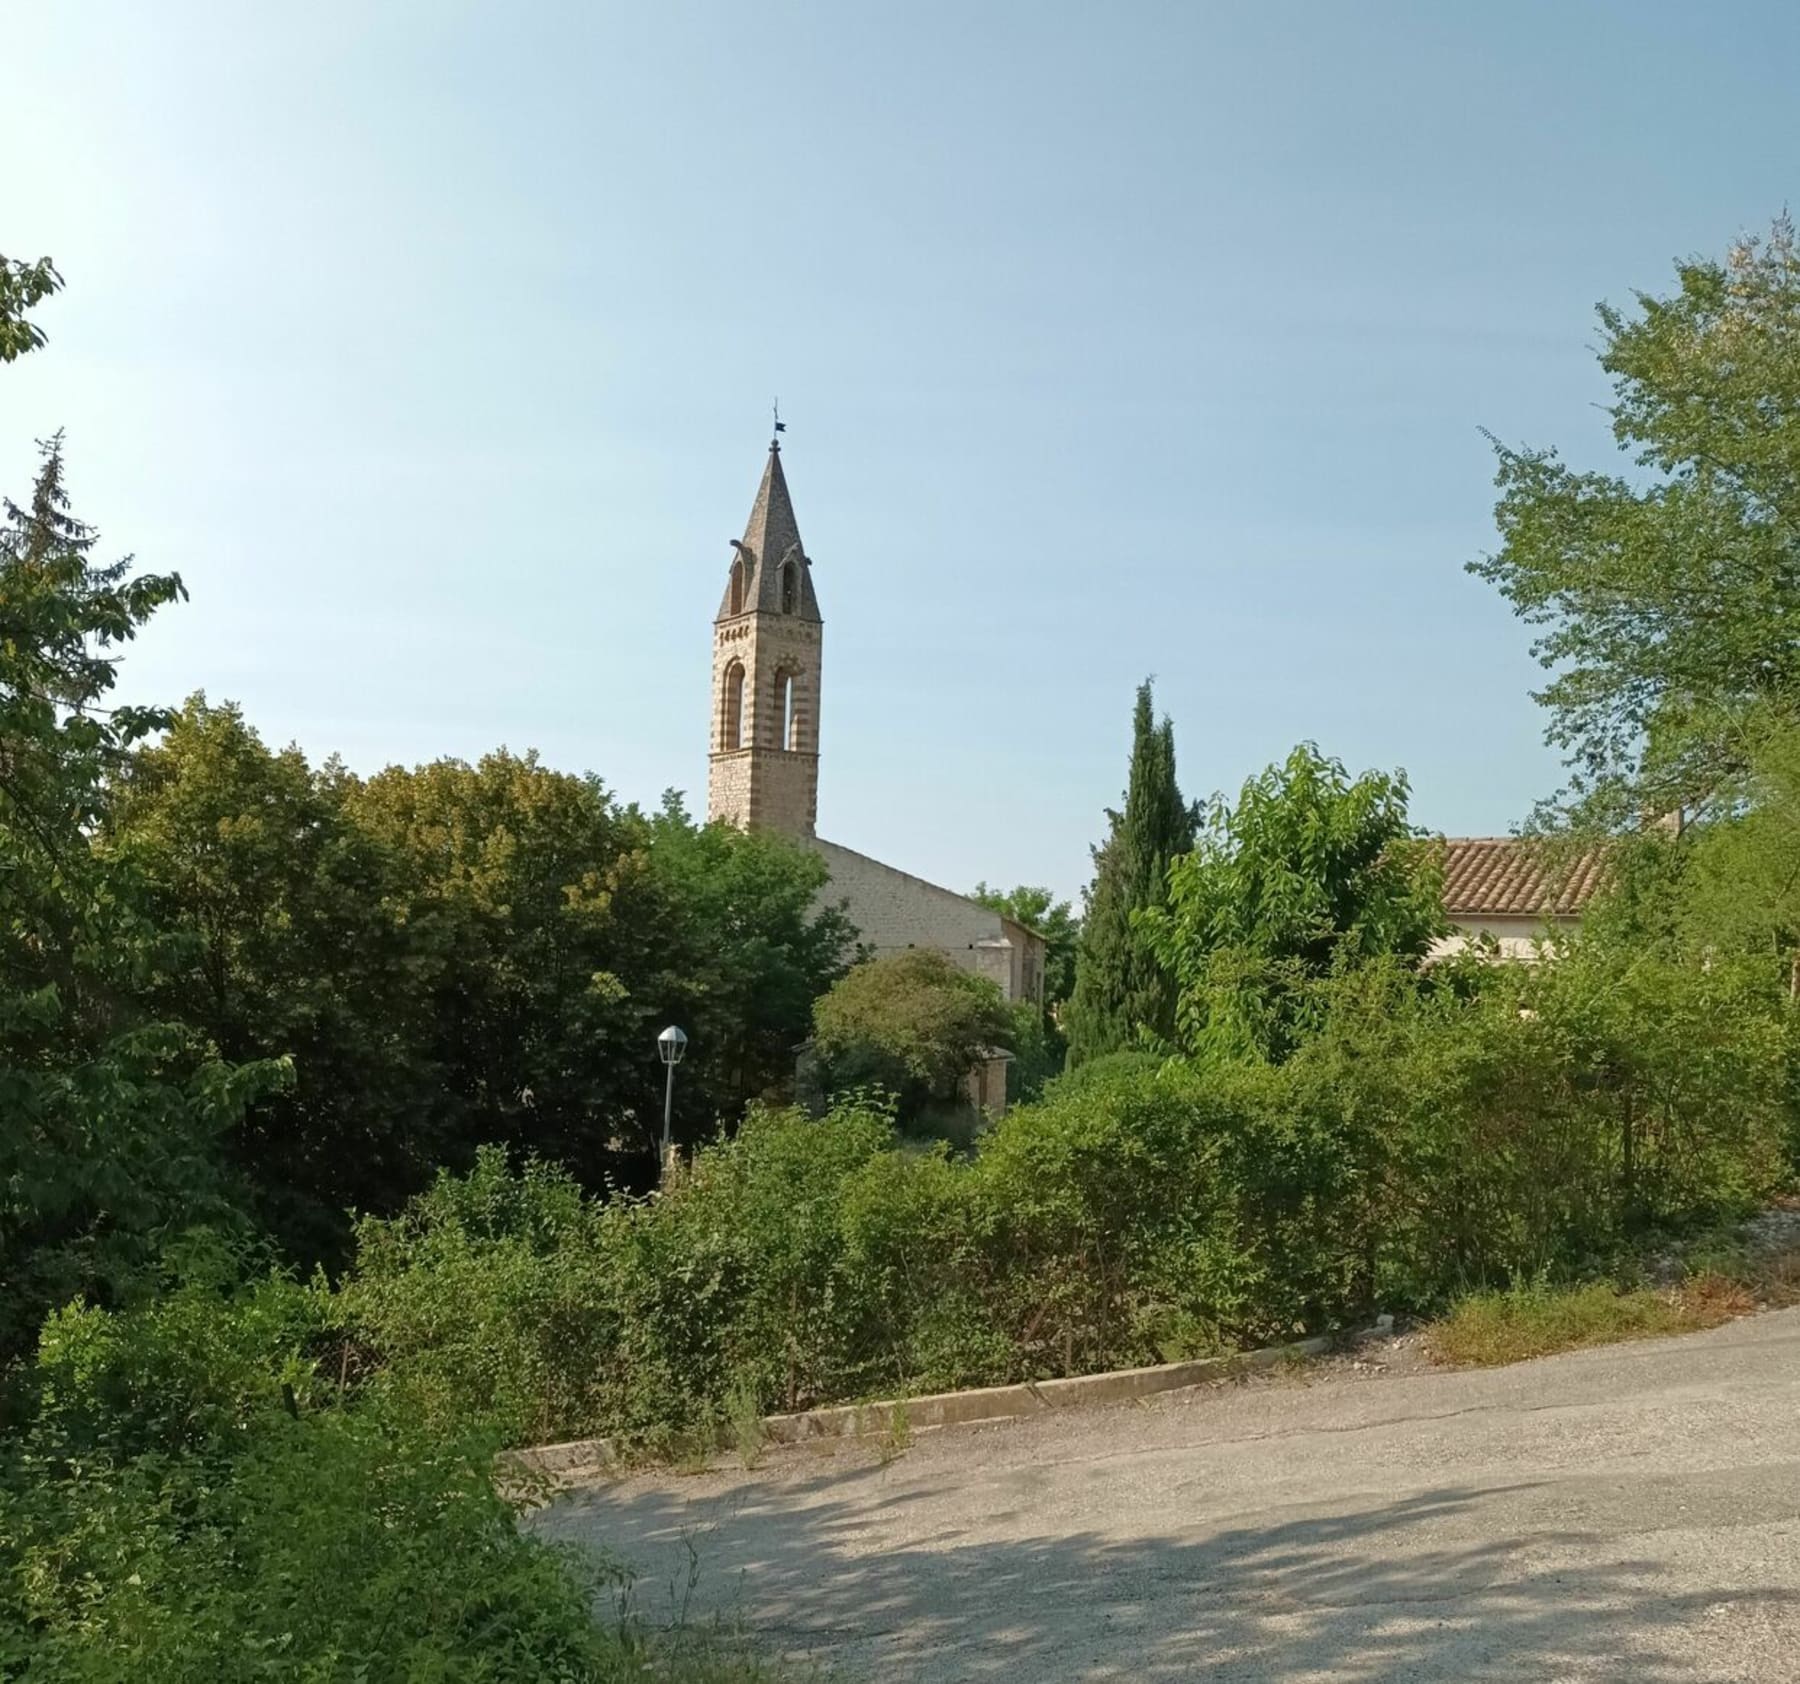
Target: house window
<point x="731" y="727"/>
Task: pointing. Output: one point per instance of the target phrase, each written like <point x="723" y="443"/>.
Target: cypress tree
<point x="1123" y="996"/>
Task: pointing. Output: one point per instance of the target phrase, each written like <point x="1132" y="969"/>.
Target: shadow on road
<point x="1439" y="1585"/>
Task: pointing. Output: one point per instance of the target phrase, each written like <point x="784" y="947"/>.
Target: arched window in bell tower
<point x="787" y="708"/>
<point x="790" y="586"/>
<point x="737" y="585"/>
<point x="731" y="727"/>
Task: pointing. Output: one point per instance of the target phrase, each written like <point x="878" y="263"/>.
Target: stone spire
<point x="771" y="540"/>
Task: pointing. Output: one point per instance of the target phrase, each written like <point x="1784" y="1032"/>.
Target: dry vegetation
<point x="1490" y="1328"/>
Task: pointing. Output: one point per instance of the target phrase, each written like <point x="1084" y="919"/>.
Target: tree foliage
<point x="1310" y="872"/>
<point x="285" y="935"/>
<point x="1123" y="994"/>
<point x="911" y="1023"/>
<point x="23" y="286"/>
<point x="752" y="942"/>
<point x="1669" y="599"/>
<point x="112" y="1112"/>
<point x="453" y="954"/>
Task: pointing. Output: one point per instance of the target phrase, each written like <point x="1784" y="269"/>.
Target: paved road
<point x="1629" y="1514"/>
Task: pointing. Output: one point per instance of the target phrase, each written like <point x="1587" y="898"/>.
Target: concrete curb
<point x="951" y="1409"/>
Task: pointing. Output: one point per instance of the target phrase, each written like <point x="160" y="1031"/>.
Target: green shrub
<point x="511" y="1298"/>
<point x="735" y="1274"/>
<point x="920" y="1240"/>
<point x="1539" y="1117"/>
<point x="198" y="1369"/>
<point x="1106" y="1068"/>
<point x="1492" y="1124"/>
<point x="912" y="1024"/>
<point x="186" y="1498"/>
<point x="1149" y="1212"/>
<point x="342" y="1545"/>
<point x="494" y="1289"/>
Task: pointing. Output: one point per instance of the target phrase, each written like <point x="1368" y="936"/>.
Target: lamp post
<point x="670" y="1045"/>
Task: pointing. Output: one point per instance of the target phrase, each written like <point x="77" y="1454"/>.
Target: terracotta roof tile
<point x="1502" y="876"/>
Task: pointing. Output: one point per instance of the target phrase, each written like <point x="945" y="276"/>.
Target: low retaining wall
<point x="950" y="1409"/>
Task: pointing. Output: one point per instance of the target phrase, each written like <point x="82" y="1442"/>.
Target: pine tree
<point x="111" y="1117"/>
<point x="1123" y="997"/>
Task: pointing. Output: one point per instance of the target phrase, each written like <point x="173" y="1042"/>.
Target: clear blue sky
<point x="432" y="343"/>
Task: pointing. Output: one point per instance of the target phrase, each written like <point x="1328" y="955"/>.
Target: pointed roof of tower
<point x="772" y="537"/>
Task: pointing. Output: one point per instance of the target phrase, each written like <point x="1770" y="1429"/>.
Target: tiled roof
<point x="1501" y="876"/>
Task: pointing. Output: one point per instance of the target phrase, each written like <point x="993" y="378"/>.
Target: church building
<point x="763" y="771"/>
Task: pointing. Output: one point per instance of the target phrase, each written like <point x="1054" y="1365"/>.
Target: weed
<point x="1533" y="1320"/>
<point x="1775" y="1279"/>
<point x="897" y="1440"/>
<point x="743" y="1418"/>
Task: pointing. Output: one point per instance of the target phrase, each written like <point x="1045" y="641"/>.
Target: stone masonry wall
<point x="894" y="910"/>
<point x="766" y="782"/>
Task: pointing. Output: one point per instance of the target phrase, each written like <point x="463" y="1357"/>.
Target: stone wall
<point x="760" y="779"/>
<point x="893" y="910"/>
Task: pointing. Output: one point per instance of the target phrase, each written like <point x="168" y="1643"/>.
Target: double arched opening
<point x="785" y="726"/>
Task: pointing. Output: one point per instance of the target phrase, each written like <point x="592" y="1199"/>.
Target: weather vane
<point x="780" y="425"/>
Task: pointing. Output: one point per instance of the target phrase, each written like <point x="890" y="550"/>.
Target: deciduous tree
<point x="912" y="1023"/>
<point x="1668" y="598"/>
<point x="23" y="286"/>
<point x="285" y="937"/>
<point x="1308" y="872"/>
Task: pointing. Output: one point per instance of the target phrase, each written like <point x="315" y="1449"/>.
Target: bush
<point x="195" y="1370"/>
<point x="339" y="1546"/>
<point x="1150" y="1214"/>
<point x="1492" y="1125"/>
<point x="494" y="1288"/>
<point x="514" y="1299"/>
<point x="188" y="1498"/>
<point x="1537" y="1118"/>
<point x="912" y="1024"/>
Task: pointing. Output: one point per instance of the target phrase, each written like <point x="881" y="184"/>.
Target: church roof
<point x="1515" y="876"/>
<point x="772" y="537"/>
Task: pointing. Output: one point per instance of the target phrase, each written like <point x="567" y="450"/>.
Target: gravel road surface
<point x="1631" y="1513"/>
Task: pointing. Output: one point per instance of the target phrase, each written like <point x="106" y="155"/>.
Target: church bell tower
<point x="763" y="772"/>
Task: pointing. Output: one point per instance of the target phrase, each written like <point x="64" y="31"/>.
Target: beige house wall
<point x="1518" y="937"/>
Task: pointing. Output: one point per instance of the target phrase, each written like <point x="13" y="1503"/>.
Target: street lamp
<point x="670" y="1045"/>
